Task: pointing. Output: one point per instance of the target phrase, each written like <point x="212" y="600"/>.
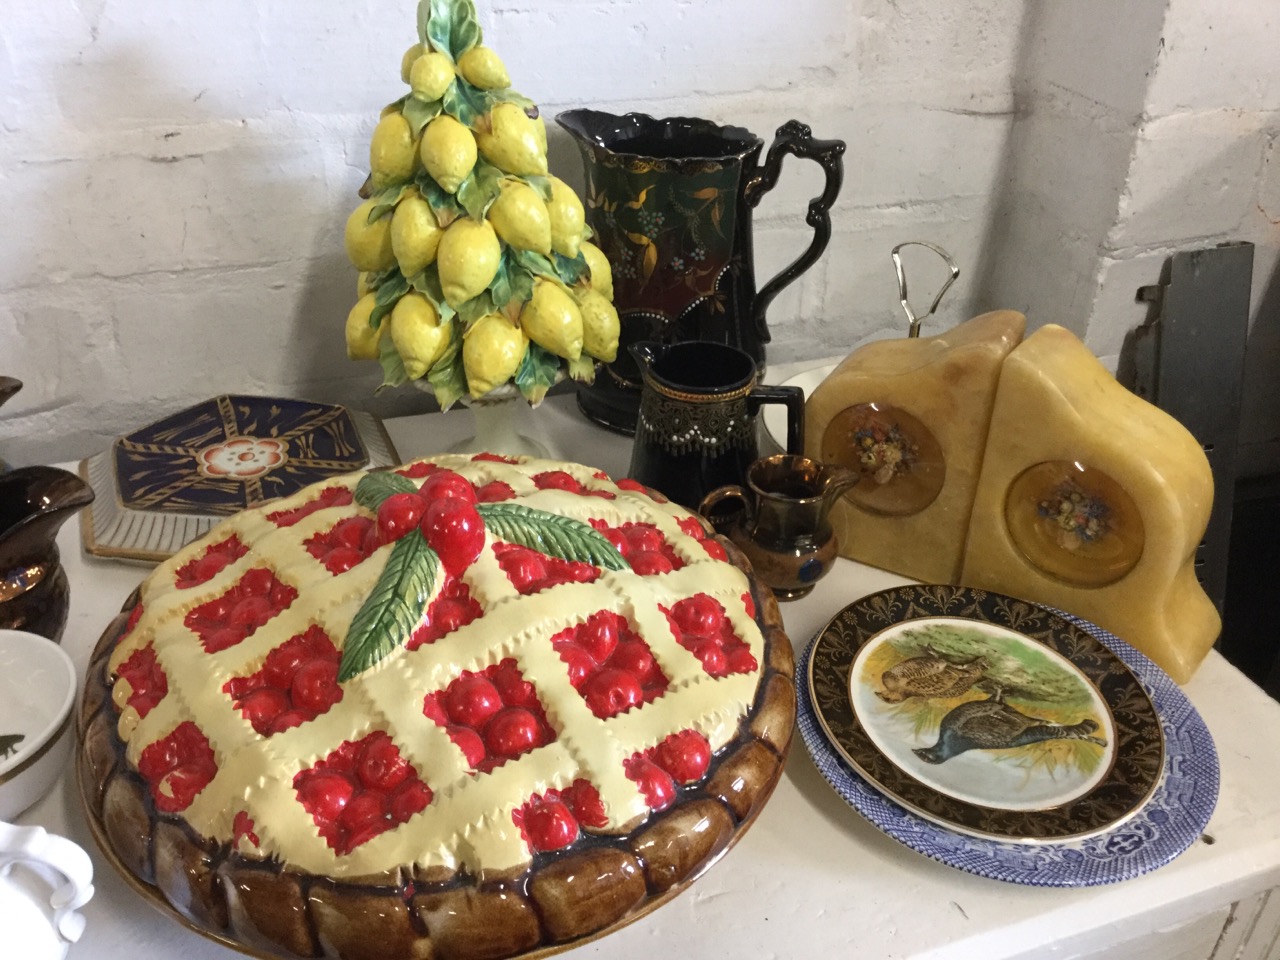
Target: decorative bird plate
<point x="160" y="487"/>
<point x="992" y="716"/>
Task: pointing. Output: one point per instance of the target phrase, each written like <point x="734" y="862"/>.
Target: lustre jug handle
<point x="793" y="398"/>
<point x="796" y="138"/>
<point x="725" y="522"/>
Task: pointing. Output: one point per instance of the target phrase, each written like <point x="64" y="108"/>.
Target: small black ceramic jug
<point x="696" y="429"/>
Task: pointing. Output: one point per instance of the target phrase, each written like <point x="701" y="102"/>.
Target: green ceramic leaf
<point x="537" y="264"/>
<point x="427" y="283"/>
<point x="536" y="373"/>
<point x="443" y="204"/>
<point x="509" y="95"/>
<point x="466" y="103"/>
<point x="385" y="202"/>
<point x="389" y="291"/>
<point x="570" y="271"/>
<point x="447" y="378"/>
<point x="375" y="487"/>
<point x="583" y="369"/>
<point x="475" y="308"/>
<point x="420" y="112"/>
<point x="393" y="373"/>
<point x="388" y="617"/>
<point x="542" y="185"/>
<point x="452" y="27"/>
<point x="424" y="15"/>
<point x="549" y="533"/>
<point x="480" y="188"/>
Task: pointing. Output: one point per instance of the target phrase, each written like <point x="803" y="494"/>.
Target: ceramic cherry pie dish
<point x="398" y="713"/>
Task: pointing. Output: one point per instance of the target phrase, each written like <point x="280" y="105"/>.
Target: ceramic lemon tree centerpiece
<point x="477" y="280"/>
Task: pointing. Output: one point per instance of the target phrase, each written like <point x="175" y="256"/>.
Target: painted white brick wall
<point x="175" y="176"/>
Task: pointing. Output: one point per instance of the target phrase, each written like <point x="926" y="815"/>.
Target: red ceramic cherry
<point x="550" y="825"/>
<point x="511" y="732"/>
<point x="455" y="531"/>
<point x="398" y="514"/>
<point x="472" y="700"/>
<point x="611" y="691"/>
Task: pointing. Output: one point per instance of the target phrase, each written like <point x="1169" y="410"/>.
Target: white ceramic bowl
<point x="37" y="690"/>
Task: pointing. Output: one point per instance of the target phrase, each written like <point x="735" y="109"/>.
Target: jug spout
<point x="645" y="352"/>
<point x="34" y="503"/>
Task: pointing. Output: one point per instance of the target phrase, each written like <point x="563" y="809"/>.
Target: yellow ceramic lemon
<point x="362" y="283"/>
<point x="468" y="258"/>
<point x="409" y="59"/>
<point x="448" y="152"/>
<point x="520" y="217"/>
<point x="369" y="244"/>
<point x="415" y="235"/>
<point x="491" y="353"/>
<point x="392" y="151"/>
<point x="601" y="272"/>
<point x="552" y="320"/>
<point x="600" y="326"/>
<point x="431" y="75"/>
<point x="510" y="141"/>
<point x="483" y="68"/>
<point x="419" y="336"/>
<point x="362" y="339"/>
<point x="567" y="219"/>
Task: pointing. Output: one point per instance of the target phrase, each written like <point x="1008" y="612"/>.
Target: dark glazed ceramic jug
<point x="34" y="503"/>
<point x="669" y="201"/>
<point x="697" y="423"/>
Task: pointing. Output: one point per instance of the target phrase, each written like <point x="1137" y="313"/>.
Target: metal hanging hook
<point x="912" y="319"/>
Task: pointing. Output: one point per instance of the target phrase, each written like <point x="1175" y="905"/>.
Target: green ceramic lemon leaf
<point x="443" y="204"/>
<point x="478" y="306"/>
<point x="447" y="378"/>
<point x="542" y="185"/>
<point x="509" y="95"/>
<point x="420" y="112"/>
<point x="570" y="271"/>
<point x="537" y="264"/>
<point x="466" y="103"/>
<point x="583" y="369"/>
<point x="536" y="373"/>
<point x="388" y="617"/>
<point x="481" y="187"/>
<point x="393" y="372"/>
<point x="389" y="291"/>
<point x="375" y="487"/>
<point x="451" y="26"/>
<point x="512" y="282"/>
<point x="551" y="534"/>
<point x="385" y="202"/>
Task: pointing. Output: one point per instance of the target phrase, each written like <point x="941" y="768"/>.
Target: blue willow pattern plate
<point x="161" y="486"/>
<point x="1168" y="823"/>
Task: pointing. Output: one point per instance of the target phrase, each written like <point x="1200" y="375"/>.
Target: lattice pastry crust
<point x="238" y="807"/>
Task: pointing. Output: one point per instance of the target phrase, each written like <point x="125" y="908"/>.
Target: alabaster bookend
<point x="1093" y="500"/>
<point x="911" y="415"/>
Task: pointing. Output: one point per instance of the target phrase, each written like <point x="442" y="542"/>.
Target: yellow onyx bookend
<point x="1094" y="501"/>
<point x="911" y="415"/>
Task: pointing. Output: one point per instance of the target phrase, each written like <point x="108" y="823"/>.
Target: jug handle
<point x="797" y="139"/>
<point x="720" y="495"/>
<point x="793" y="397"/>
